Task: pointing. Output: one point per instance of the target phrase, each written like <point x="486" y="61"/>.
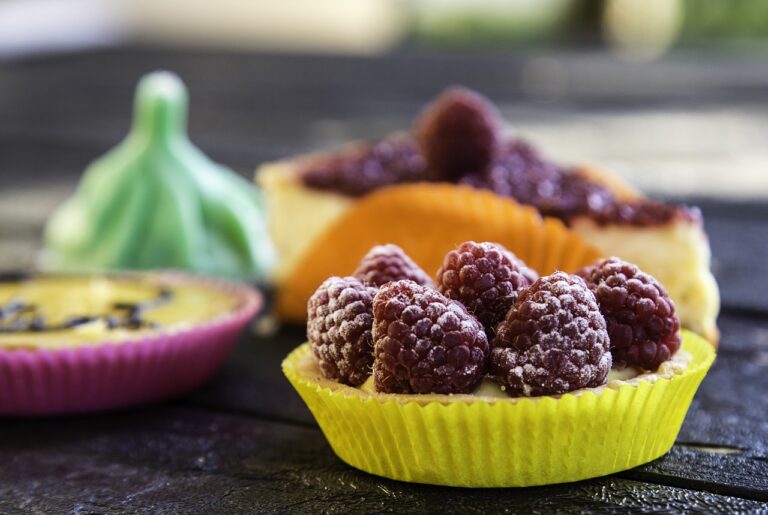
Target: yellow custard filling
<point x="42" y="312"/>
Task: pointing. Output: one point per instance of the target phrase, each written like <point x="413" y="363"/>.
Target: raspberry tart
<point x="457" y="156"/>
<point x="580" y="378"/>
<point x="76" y="343"/>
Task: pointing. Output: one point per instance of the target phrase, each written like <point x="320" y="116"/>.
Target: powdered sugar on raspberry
<point x="339" y="324"/>
<point x="640" y="316"/>
<point x="424" y="342"/>
<point x="486" y="278"/>
<point x="386" y="263"/>
<point x="553" y="340"/>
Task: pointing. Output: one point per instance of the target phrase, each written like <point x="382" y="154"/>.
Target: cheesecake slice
<point x="460" y="139"/>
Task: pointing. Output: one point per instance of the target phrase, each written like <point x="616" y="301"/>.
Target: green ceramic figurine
<point x="156" y="201"/>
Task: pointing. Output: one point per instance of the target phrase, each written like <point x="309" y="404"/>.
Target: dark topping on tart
<point x="364" y="168"/>
<point x="552" y="341"/>
<point x="459" y="141"/>
<point x="518" y="171"/>
<point x="457" y="133"/>
<point x="387" y="263"/>
<point x="339" y="323"/>
<point x="486" y="278"/>
<point x="522" y="174"/>
<point x="18" y="316"/>
<point x="646" y="212"/>
<point x="642" y="324"/>
<point x="425" y="342"/>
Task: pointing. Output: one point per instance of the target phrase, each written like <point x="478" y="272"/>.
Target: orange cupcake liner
<point x="428" y="221"/>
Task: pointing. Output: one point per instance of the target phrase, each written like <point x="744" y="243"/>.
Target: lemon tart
<point x="71" y="343"/>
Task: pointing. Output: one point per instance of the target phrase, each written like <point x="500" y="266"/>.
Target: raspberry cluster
<point x="642" y="324"/>
<point x="486" y="278"/>
<point x="425" y="342"/>
<point x="386" y="263"/>
<point x="548" y="335"/>
<point x="459" y="133"/>
<point x="339" y="321"/>
<point x="553" y="340"/>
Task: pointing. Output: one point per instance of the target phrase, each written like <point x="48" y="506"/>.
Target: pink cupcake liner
<point x="126" y="373"/>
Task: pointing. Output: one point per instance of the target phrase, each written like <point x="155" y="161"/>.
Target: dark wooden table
<point x="244" y="442"/>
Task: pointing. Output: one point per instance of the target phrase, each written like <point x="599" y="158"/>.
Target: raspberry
<point x="385" y="263"/>
<point x="642" y="324"/>
<point x="339" y="329"/>
<point x="553" y="340"/>
<point x="458" y="133"/>
<point x="424" y="342"/>
<point x="486" y="278"/>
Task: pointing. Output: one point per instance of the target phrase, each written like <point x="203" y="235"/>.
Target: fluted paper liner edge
<point x="509" y="442"/>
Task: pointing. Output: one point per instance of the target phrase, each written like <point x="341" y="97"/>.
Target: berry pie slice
<point x="460" y="139"/>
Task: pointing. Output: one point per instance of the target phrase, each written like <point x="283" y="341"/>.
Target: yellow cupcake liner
<point x="458" y="441"/>
<point x="428" y="221"/>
